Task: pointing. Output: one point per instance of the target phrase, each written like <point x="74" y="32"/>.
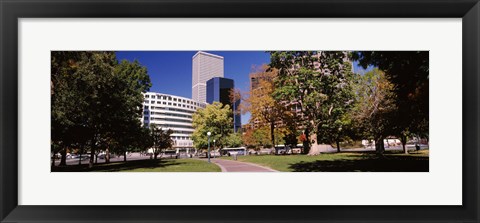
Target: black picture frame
<point x="11" y="11"/>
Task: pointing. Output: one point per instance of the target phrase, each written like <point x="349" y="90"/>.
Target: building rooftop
<point x="208" y="54"/>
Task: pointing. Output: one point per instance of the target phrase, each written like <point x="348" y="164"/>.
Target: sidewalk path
<point x="236" y="166"/>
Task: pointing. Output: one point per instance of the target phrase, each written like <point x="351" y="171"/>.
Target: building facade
<point x="205" y="66"/>
<point x="218" y="89"/>
<point x="172" y="112"/>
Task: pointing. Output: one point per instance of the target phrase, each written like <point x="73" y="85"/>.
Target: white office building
<point x="172" y="112"/>
<point x="205" y="66"/>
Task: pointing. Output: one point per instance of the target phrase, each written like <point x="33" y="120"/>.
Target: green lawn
<point x="164" y="165"/>
<point x="343" y="162"/>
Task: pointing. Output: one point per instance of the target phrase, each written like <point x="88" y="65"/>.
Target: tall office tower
<point x="218" y="89"/>
<point x="205" y="67"/>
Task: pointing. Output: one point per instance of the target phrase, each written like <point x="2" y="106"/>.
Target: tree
<point x="77" y="80"/>
<point x="233" y="140"/>
<point x="132" y="80"/>
<point x="215" y="118"/>
<point x="66" y="112"/>
<point x="95" y="95"/>
<point x="248" y="139"/>
<point x="335" y="116"/>
<point x="375" y="107"/>
<point x="408" y="72"/>
<point x="264" y="109"/>
<point x="261" y="137"/>
<point x="161" y="139"/>
<point x="318" y="82"/>
<point x="134" y="138"/>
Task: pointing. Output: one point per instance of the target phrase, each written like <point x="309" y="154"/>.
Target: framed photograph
<point x="225" y="111"/>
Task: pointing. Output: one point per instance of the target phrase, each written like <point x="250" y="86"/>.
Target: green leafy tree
<point x="408" y="72"/>
<point x="375" y="108"/>
<point x="95" y="95"/>
<point x="215" y="118"/>
<point x="63" y="66"/>
<point x="233" y="140"/>
<point x="134" y="138"/>
<point x="335" y="116"/>
<point x="161" y="139"/>
<point x="261" y="137"/>
<point x="319" y="83"/>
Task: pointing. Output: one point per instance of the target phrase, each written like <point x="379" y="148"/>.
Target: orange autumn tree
<point x="264" y="109"/>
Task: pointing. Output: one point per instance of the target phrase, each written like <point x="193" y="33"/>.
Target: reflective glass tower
<point x="218" y="89"/>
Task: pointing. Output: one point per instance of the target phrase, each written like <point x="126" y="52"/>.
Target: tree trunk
<point x="403" y="140"/>
<point x="306" y="142"/>
<point x="107" y="155"/>
<point x="156" y="154"/>
<point x="80" y="157"/>
<point x="315" y="148"/>
<point x="53" y="160"/>
<point x="272" y="133"/>
<point x="379" y="146"/>
<point x="125" y="156"/>
<point x="338" y="146"/>
<point x="63" y="160"/>
<point x="92" y="155"/>
<point x="404" y="148"/>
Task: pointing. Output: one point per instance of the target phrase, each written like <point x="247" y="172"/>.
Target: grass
<point x="164" y="165"/>
<point x="344" y="162"/>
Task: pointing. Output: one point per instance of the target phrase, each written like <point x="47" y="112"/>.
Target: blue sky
<point x="171" y="71"/>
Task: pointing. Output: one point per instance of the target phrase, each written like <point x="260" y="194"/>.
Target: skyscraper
<point x="205" y="66"/>
<point x="218" y="89"/>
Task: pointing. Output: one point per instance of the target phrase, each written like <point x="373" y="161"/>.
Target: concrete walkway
<point x="237" y="166"/>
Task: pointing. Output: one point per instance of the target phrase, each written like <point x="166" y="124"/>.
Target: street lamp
<point x="214" y="147"/>
<point x="208" y="154"/>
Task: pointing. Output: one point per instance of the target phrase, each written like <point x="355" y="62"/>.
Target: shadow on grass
<point x="366" y="163"/>
<point x="115" y="166"/>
